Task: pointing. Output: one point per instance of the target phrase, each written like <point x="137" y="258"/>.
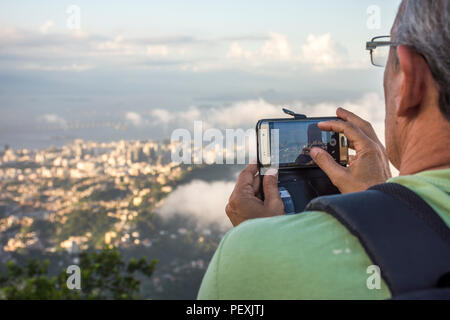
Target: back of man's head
<point x="424" y="25"/>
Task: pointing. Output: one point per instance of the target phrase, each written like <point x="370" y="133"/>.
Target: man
<point x="314" y="139"/>
<point x="311" y="255"/>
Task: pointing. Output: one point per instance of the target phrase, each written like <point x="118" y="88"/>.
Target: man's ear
<point x="413" y="73"/>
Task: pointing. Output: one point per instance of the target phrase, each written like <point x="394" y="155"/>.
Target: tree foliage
<point x="104" y="275"/>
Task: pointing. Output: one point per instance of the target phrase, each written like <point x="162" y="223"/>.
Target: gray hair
<point x="424" y="25"/>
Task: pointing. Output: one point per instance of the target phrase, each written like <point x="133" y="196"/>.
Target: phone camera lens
<point x="332" y="142"/>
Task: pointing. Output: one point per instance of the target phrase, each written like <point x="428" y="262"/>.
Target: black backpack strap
<point x="400" y="232"/>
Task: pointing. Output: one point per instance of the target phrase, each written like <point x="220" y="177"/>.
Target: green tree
<point x="104" y="275"/>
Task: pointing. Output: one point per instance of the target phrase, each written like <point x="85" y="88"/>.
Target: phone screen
<point x="289" y="143"/>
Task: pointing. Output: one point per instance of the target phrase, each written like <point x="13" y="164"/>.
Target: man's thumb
<point x="270" y="186"/>
<point x="326" y="162"/>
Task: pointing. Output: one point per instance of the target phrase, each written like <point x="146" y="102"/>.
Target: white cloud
<point x="239" y="114"/>
<point x="204" y="210"/>
<point x="117" y="46"/>
<point x="273" y="54"/>
<point x="47" y="25"/>
<point x="161" y="116"/>
<point x="53" y="119"/>
<point x="73" y="67"/>
<point x="134" y="118"/>
<point x="321" y="52"/>
<point x="157" y="50"/>
<point x="277" y="47"/>
<point x="245" y="114"/>
<point x="10" y="33"/>
<point x="237" y="52"/>
<point x="111" y="44"/>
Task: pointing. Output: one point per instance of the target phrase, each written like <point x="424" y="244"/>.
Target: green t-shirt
<point x="306" y="256"/>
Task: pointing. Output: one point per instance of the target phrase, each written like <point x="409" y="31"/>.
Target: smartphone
<point x="286" y="143"/>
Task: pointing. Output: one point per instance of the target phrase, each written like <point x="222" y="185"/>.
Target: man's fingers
<point x="346" y="115"/>
<point x="362" y="124"/>
<point x="228" y="210"/>
<point x="256" y="184"/>
<point x="234" y="219"/>
<point x="251" y="168"/>
<point x="246" y="176"/>
<point x="355" y="136"/>
<point x="326" y="162"/>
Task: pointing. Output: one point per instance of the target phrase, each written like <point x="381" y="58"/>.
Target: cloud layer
<point x="245" y="114"/>
<point x="51" y="51"/>
<point x="204" y="210"/>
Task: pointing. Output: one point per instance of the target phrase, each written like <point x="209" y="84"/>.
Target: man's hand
<point x="370" y="165"/>
<point x="245" y="203"/>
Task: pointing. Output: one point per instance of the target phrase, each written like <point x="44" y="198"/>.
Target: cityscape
<point x="84" y="195"/>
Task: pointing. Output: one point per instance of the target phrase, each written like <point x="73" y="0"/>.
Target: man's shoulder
<point x="308" y="255"/>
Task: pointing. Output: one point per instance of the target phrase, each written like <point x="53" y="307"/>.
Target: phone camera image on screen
<point x="295" y="145"/>
<point x="295" y="139"/>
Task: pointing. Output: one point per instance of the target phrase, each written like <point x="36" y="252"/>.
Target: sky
<point x="107" y="70"/>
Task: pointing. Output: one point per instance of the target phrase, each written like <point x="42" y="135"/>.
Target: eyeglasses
<point x="379" y="50"/>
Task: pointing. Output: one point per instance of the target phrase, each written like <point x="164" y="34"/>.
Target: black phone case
<point x="303" y="184"/>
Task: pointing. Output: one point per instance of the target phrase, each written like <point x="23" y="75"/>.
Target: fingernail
<point x="271" y="172"/>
